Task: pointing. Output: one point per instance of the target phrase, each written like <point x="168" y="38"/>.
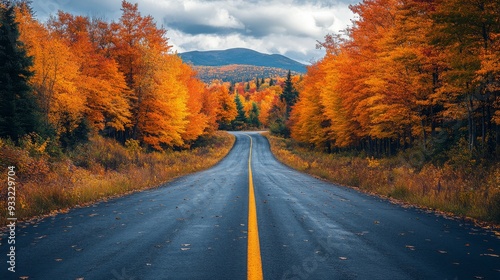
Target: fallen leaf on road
<point x="410" y="247"/>
<point x="442" y="252"/>
<point x="491" y="255"/>
<point x="343" y="258"/>
<point x="58" y="260"/>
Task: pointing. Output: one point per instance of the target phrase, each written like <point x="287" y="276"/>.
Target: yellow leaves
<point x="222" y="102"/>
<point x="56" y="74"/>
<point x="307" y="114"/>
<point x="119" y="77"/>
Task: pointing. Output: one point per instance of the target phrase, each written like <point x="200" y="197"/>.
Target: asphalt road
<point x="196" y="227"/>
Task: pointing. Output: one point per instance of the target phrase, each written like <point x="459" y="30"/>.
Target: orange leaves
<point x="224" y="108"/>
<point x="56" y="73"/>
<point x="197" y="121"/>
<point x="117" y="77"/>
<point x="308" y="114"/>
<point x="405" y="69"/>
<point x="162" y="111"/>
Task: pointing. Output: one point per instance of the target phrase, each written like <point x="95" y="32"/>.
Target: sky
<point x="287" y="27"/>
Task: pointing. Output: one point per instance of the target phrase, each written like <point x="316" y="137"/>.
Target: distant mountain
<point x="241" y="56"/>
<point x="236" y="65"/>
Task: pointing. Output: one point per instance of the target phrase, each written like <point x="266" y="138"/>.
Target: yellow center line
<point x="254" y="262"/>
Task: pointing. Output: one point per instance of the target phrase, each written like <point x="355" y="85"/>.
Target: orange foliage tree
<point x="404" y="73"/>
<point x="118" y="79"/>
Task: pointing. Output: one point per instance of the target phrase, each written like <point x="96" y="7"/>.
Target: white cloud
<point x="289" y="27"/>
<point x="222" y="18"/>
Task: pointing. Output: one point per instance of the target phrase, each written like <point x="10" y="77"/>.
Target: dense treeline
<point x="412" y="73"/>
<point x="265" y="103"/>
<point x="87" y="76"/>
<point x="255" y="103"/>
<point x="235" y="73"/>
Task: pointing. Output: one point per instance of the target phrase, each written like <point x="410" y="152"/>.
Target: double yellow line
<point x="254" y="262"/>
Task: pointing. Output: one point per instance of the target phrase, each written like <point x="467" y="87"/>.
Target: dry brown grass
<point x="449" y="188"/>
<point x="99" y="170"/>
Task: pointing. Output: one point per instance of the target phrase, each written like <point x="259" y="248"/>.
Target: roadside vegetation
<point x="92" y="109"/>
<point x="406" y="104"/>
<point x="97" y="170"/>
<point x="461" y="186"/>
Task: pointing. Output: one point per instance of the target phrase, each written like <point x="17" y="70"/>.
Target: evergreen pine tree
<point x="290" y="94"/>
<point x="257" y="83"/>
<point x="240" y="119"/>
<point x="271" y="82"/>
<point x="19" y="113"/>
<point x="253" y="116"/>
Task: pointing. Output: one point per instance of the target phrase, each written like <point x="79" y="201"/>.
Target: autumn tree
<point x="56" y="78"/>
<point x="198" y="121"/>
<point x="107" y="104"/>
<point x="308" y="121"/>
<point x="219" y="105"/>
<point x="135" y="38"/>
<point x="468" y="34"/>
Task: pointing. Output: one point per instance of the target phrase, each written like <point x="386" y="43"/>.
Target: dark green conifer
<point x="290" y="94"/>
<point x="19" y="112"/>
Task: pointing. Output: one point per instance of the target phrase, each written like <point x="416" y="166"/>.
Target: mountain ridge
<point x="241" y="56"/>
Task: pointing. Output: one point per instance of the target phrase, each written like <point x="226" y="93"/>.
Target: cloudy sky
<point x="288" y="27"/>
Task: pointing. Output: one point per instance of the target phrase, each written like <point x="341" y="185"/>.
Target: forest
<point x="117" y="79"/>
<point x="407" y="73"/>
<point x="84" y="76"/>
